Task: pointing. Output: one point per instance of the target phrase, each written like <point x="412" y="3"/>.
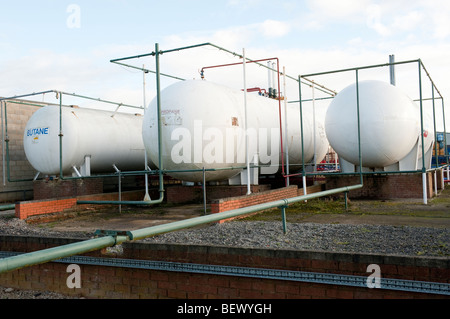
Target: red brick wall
<point x="116" y="282"/>
<point x="185" y="194"/>
<point x="34" y="208"/>
<point x="28" y="209"/>
<point x="56" y="188"/>
<point x="384" y="186"/>
<point x="225" y="204"/>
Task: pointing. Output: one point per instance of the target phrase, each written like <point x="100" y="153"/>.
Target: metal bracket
<point x="113" y="233"/>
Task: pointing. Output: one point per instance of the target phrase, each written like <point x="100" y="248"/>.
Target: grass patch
<point x="298" y="211"/>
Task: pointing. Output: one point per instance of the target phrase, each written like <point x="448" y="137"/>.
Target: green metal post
<point x="421" y="115"/>
<point x="301" y="133"/>
<point x="346" y="201"/>
<point x="61" y="174"/>
<point x="436" y="157"/>
<point x="283" y="218"/>
<point x="424" y="172"/>
<point x="446" y="153"/>
<point x="157" y="53"/>
<point x="158" y="102"/>
<point x="359" y="128"/>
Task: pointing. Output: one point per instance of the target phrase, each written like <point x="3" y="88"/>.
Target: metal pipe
<point x="147" y="71"/>
<point x="301" y="124"/>
<point x="7" y="207"/>
<point x="436" y="150"/>
<point x="160" y="170"/>
<point x="204" y="191"/>
<point x="424" y="177"/>
<point x="3" y="146"/>
<point x="158" y="105"/>
<point x="146" y="196"/>
<point x="247" y="155"/>
<point x="445" y="137"/>
<point x="357" y="68"/>
<point x="47" y="255"/>
<point x="27" y="95"/>
<point x="314" y="126"/>
<point x="358" y="118"/>
<point x="159" y="229"/>
<point x="76" y="171"/>
<point x="392" y="68"/>
<point x="286" y="127"/>
<point x="435" y="184"/>
<point x="283" y="218"/>
<point x="120" y="185"/>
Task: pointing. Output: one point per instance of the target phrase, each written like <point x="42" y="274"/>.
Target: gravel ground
<point x="18" y="227"/>
<point x="383" y="239"/>
<point x="10" y="293"/>
<point x="398" y="240"/>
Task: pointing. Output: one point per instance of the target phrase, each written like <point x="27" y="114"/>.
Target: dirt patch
<point x="130" y="218"/>
<point x="395" y="212"/>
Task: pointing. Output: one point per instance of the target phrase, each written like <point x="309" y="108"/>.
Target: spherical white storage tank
<point x="203" y="125"/>
<point x="106" y="139"/>
<point x="389" y="121"/>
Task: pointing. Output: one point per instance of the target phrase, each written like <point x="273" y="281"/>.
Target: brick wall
<point x="20" y="169"/>
<point x="57" y="188"/>
<point x="28" y="209"/>
<point x="225" y="204"/>
<point x="117" y="282"/>
<point x="41" y="210"/>
<point x="384" y="186"/>
<point x="186" y="194"/>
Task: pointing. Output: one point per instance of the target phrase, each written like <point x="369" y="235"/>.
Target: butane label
<point x="38" y="131"/>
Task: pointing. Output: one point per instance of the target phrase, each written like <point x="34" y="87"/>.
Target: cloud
<point x="323" y="12"/>
<point x="409" y="21"/>
<point x="274" y="29"/>
<point x="337" y="9"/>
<point x="374" y="14"/>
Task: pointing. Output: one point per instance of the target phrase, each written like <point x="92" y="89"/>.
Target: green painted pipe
<point x="122" y="202"/>
<point x="47" y="255"/>
<point x="154" y="230"/>
<point x="7" y="207"/>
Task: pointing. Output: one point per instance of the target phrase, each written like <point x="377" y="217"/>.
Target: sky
<point x="68" y="45"/>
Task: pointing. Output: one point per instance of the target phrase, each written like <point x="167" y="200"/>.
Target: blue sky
<point x="42" y="47"/>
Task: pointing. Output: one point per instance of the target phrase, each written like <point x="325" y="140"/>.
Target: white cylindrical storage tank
<point x="105" y="139"/>
<point x="203" y="125"/>
<point x="389" y="122"/>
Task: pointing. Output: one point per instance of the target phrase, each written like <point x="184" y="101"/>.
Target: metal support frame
<point x="245" y="59"/>
<point x="59" y="95"/>
<point x="391" y="64"/>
